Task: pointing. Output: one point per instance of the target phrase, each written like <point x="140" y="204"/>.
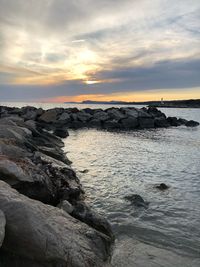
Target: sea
<point x="113" y="165"/>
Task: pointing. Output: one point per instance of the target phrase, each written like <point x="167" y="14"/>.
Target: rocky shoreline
<point x="44" y="219"/>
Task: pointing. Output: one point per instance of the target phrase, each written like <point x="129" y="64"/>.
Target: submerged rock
<point x="162" y="186"/>
<point x="136" y="200"/>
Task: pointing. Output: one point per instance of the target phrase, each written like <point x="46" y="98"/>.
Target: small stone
<point x="162" y="186"/>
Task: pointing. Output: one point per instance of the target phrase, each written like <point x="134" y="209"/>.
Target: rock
<point x="61" y="132"/>
<point x="64" y="118"/>
<point x="84" y="213"/>
<point x="115" y="114"/>
<point x="27" y="178"/>
<point x="130" y="123"/>
<point x="77" y="124"/>
<point x="162" y="186"/>
<point x="94" y="123"/>
<point x="154" y="112"/>
<point x="84" y="171"/>
<point x="2" y="227"/>
<point x="137" y="200"/>
<point x="66" y="206"/>
<point x="49" y="116"/>
<point x="111" y="124"/>
<point x="130" y="112"/>
<point x="55" y="153"/>
<point x="146" y="122"/>
<point x="192" y="123"/>
<point x="161" y="122"/>
<point x="182" y="121"/>
<point x="101" y="116"/>
<point x="173" y="121"/>
<point x="83" y="116"/>
<point x="42" y="235"/>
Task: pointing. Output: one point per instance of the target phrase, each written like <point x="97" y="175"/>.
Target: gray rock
<point x="133" y="112"/>
<point x="94" y="123"/>
<point x="61" y="132"/>
<point x="192" y="123"/>
<point x="111" y="124"/>
<point x="101" y="116"/>
<point x="84" y="213"/>
<point x="115" y="114"/>
<point x="27" y="178"/>
<point x="173" y="121"/>
<point x="2" y="227"/>
<point x="49" y="116"/>
<point x="42" y="235"/>
<point x="130" y="123"/>
<point x="66" y="206"/>
<point x="146" y="122"/>
<point x="83" y="116"/>
<point x="64" y="118"/>
<point x="161" y="122"/>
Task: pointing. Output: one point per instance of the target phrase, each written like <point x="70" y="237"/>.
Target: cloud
<point x="55" y="46"/>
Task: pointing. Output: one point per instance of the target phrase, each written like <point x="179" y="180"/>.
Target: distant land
<point x="190" y="103"/>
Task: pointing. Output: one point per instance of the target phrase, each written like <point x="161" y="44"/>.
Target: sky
<point x="129" y="50"/>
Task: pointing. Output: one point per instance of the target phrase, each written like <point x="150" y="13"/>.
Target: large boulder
<point x="111" y="124"/>
<point x="115" y="114"/>
<point x="40" y="235"/>
<point x="83" y="116"/>
<point x="145" y="122"/>
<point x="27" y="178"/>
<point x="130" y="123"/>
<point x="2" y="227"/>
<point x="64" y="118"/>
<point x="161" y="122"/>
<point x="49" y="116"/>
<point x="101" y="115"/>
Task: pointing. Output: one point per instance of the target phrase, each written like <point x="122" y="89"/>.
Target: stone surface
<point x="47" y="236"/>
<point x="136" y="200"/>
<point x="191" y="123"/>
<point x="2" y="227"/>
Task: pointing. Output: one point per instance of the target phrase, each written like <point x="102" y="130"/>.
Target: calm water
<point x="168" y="232"/>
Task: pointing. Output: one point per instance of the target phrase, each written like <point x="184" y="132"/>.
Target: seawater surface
<point x="167" y="233"/>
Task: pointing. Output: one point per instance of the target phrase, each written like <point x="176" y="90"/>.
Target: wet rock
<point x="192" y="123"/>
<point x="182" y="121"/>
<point x="136" y="200"/>
<point x="94" y="123"/>
<point x="42" y="235"/>
<point x="115" y="114"/>
<point x="61" y="132"/>
<point x="162" y="186"/>
<point x="2" y="227"/>
<point x="130" y="112"/>
<point x="85" y="214"/>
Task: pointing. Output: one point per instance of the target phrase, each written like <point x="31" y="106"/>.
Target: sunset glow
<point x="132" y="51"/>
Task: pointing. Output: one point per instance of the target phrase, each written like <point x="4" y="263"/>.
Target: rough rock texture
<point x="2" y="227"/>
<point x="39" y="235"/>
<point x="47" y="236"/>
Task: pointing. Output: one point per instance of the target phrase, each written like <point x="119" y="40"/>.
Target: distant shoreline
<point x="191" y="103"/>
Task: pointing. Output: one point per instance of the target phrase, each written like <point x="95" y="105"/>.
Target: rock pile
<point x="44" y="220"/>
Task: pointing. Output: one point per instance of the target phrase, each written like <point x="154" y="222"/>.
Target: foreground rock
<point x="42" y="235"/>
<point x="39" y="235"/>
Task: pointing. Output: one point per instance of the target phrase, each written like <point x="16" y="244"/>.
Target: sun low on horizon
<point x="59" y="51"/>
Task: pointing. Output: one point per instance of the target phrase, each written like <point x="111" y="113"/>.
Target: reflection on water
<point x="123" y="163"/>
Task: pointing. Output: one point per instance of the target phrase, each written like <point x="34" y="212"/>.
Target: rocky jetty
<point x="44" y="219"/>
<point x="126" y="118"/>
